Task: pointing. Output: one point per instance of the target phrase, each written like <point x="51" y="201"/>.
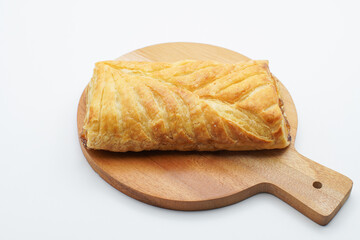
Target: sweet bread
<point x="186" y="105"/>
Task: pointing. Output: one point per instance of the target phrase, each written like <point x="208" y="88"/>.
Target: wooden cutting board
<point x="206" y="180"/>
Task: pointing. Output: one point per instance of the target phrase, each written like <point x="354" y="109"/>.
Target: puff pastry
<point x="186" y="105"/>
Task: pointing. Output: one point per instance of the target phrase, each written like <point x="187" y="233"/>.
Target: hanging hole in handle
<point x="317" y="184"/>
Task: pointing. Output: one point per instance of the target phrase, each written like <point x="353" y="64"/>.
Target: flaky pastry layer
<point x="186" y="105"/>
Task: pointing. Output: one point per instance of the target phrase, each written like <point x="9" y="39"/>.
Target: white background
<point x="47" y="53"/>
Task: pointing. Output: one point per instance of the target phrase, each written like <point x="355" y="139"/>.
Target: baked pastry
<point x="186" y="105"/>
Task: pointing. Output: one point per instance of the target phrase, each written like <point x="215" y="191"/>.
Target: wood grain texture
<point x="207" y="180"/>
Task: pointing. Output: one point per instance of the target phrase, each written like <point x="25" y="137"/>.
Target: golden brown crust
<point x="187" y="105"/>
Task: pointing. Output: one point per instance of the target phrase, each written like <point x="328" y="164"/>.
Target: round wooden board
<point x="206" y="180"/>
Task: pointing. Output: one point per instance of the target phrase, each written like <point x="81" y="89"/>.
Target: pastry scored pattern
<point x="187" y="105"/>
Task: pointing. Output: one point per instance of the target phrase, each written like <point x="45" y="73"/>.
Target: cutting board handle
<point x="315" y="190"/>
